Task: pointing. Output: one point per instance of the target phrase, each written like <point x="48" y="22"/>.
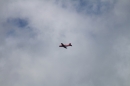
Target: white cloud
<point x="30" y="55"/>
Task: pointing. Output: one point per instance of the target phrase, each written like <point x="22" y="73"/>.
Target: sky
<point x="32" y="30"/>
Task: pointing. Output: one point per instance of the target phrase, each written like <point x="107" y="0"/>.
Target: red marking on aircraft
<point x="65" y="45"/>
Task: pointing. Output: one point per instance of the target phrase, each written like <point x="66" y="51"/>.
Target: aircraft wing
<point x="63" y="45"/>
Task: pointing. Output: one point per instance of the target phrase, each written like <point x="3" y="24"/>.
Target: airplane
<point x="65" y="45"/>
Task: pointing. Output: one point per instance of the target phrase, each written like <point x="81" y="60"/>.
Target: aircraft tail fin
<point x="70" y="44"/>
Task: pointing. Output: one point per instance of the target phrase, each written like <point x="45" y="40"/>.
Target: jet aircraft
<point x="65" y="45"/>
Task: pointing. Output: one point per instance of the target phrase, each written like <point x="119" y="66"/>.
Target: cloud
<point x="31" y="32"/>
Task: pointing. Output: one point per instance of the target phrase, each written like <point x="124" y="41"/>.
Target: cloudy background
<point x="32" y="30"/>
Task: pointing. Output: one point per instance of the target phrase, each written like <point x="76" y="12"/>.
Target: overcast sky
<point x="32" y="30"/>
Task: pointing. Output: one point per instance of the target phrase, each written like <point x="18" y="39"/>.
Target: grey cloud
<point x="99" y="55"/>
<point x="88" y="7"/>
